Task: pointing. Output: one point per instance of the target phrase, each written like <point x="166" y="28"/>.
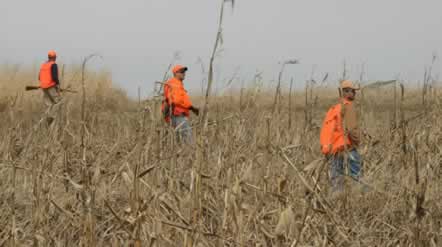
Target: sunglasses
<point x="347" y="90"/>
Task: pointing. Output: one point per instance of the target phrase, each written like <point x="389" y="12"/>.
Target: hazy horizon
<point x="137" y="39"/>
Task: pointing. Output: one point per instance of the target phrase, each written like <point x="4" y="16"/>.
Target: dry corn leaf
<point x="127" y="180"/>
<point x="313" y="165"/>
<point x="40" y="238"/>
<point x="75" y="185"/>
<point x="236" y="190"/>
<point x="247" y="174"/>
<point x="131" y="220"/>
<point x="286" y="219"/>
<point x="282" y="183"/>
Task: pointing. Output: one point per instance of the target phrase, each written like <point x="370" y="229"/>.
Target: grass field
<point x="115" y="176"/>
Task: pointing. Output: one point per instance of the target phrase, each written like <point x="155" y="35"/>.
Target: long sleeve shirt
<point x="54" y="73"/>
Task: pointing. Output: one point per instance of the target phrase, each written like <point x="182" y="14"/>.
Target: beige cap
<point x="349" y="84"/>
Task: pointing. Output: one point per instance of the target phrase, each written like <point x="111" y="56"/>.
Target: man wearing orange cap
<point x="340" y="136"/>
<point x="49" y="83"/>
<point x="177" y="105"/>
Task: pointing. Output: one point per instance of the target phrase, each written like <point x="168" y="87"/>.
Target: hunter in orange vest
<point x="49" y="84"/>
<point x="340" y="136"/>
<point x="176" y="104"/>
<point x="48" y="75"/>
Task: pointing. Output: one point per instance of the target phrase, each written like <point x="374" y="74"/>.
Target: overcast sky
<point x="137" y="38"/>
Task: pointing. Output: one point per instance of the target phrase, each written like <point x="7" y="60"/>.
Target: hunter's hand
<point x="195" y="110"/>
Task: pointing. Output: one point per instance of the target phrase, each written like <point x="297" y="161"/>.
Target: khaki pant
<point x="52" y="100"/>
<point x="51" y="96"/>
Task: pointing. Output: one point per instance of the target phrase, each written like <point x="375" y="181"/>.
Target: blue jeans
<point x="338" y="169"/>
<point x="183" y="129"/>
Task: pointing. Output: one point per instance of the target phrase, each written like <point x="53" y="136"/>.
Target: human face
<point x="180" y="75"/>
<point x="349" y="93"/>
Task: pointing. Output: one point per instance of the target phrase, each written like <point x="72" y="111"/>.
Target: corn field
<point x="116" y="176"/>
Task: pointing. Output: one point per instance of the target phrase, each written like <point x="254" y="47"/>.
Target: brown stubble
<point x="246" y="183"/>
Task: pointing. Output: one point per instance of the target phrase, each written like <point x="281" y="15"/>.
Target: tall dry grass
<point x="259" y="181"/>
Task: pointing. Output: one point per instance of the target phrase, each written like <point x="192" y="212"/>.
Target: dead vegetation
<point x="118" y="178"/>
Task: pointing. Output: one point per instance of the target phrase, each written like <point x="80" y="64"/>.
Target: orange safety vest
<point x="333" y="138"/>
<point x="45" y="77"/>
<point x="176" y="95"/>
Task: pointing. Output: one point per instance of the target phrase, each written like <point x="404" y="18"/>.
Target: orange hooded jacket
<point x="333" y="138"/>
<point x="176" y="97"/>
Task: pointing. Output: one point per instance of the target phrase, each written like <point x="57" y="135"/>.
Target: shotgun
<point x="29" y="88"/>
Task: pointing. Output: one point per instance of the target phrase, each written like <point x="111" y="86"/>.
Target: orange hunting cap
<point x="348" y="84"/>
<point x="179" y="68"/>
<point x="52" y="53"/>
